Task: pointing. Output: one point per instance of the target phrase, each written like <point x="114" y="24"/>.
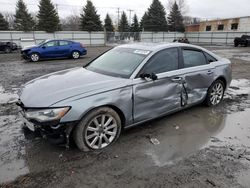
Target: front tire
<point x="7" y="50"/>
<point x="34" y="57"/>
<point x="98" y="129"/>
<point x="215" y="93"/>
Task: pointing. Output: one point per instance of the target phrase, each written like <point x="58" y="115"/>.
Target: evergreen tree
<point x="123" y="24"/>
<point x="90" y="20"/>
<point x="135" y="28"/>
<point x="175" y="19"/>
<point x="143" y="20"/>
<point x="23" y="20"/>
<point x="155" y="19"/>
<point x="135" y="25"/>
<point x="4" y="25"/>
<point x="108" y="25"/>
<point x="48" y="19"/>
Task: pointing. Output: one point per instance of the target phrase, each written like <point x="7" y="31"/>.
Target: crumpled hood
<point x="52" y="88"/>
<point x="29" y="47"/>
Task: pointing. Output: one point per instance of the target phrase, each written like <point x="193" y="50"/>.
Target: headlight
<point x="49" y="114"/>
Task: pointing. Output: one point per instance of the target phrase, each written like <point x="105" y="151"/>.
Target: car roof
<point x="48" y="40"/>
<point x="157" y="46"/>
<point x="154" y="47"/>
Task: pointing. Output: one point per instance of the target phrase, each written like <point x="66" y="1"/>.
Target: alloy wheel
<point x="101" y="131"/>
<point x="34" y="57"/>
<point x="75" y="55"/>
<point x="216" y="94"/>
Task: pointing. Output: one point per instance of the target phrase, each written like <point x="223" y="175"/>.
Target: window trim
<point x="191" y="49"/>
<point x="209" y="55"/>
<point x="148" y="61"/>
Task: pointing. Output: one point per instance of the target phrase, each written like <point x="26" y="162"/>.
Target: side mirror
<point x="151" y="76"/>
<point x="154" y="76"/>
<point x="43" y="47"/>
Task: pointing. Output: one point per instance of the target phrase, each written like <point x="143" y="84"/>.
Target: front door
<point x="50" y="49"/>
<point x="153" y="98"/>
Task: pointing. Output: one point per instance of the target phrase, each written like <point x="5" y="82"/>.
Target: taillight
<point x="82" y="45"/>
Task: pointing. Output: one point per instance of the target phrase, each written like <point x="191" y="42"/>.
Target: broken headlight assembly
<point x="44" y="115"/>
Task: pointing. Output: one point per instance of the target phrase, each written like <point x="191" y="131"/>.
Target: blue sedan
<point x="54" y="49"/>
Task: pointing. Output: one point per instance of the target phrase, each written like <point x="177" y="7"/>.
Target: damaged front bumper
<point x="54" y="131"/>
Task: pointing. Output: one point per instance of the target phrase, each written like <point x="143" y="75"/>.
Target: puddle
<point x="198" y="128"/>
<point x="7" y="97"/>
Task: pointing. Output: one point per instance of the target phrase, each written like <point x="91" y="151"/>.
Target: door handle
<point x="209" y="72"/>
<point x="177" y="79"/>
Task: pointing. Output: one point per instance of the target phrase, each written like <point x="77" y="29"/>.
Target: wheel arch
<point x="113" y="107"/>
<point x="75" y="50"/>
<point x="34" y="52"/>
<point x="223" y="80"/>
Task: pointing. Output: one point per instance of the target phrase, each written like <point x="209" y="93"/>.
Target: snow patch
<point x="7" y="97"/>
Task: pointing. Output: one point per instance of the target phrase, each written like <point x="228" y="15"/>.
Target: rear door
<point x="64" y="48"/>
<point x="198" y="74"/>
<point x="153" y="98"/>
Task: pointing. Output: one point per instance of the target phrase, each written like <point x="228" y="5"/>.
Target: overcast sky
<point x="206" y="9"/>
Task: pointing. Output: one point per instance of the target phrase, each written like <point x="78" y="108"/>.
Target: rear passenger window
<point x="163" y="61"/>
<point x="64" y="43"/>
<point x="193" y="58"/>
<point x="210" y="58"/>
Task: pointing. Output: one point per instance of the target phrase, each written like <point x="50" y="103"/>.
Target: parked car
<point x="244" y="40"/>
<point x="54" y="49"/>
<point x="126" y="86"/>
<point x="181" y="40"/>
<point x="8" y="47"/>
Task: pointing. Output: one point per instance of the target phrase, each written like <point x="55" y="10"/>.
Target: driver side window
<point x="51" y="44"/>
<point x="163" y="61"/>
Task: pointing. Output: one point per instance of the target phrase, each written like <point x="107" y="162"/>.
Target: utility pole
<point x="118" y="14"/>
<point x="130" y="11"/>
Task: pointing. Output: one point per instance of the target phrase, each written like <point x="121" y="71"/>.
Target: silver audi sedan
<point x="125" y="86"/>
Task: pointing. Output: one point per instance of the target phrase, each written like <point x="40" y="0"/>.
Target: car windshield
<point x="44" y="41"/>
<point x="119" y="62"/>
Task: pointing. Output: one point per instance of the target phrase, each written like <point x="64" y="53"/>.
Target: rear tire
<point x="98" y="129"/>
<point x="75" y="54"/>
<point x="215" y="93"/>
<point x="34" y="57"/>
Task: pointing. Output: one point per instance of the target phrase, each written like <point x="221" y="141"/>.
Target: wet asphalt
<point x="197" y="147"/>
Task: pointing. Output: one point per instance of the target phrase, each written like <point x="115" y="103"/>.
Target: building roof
<point x="218" y="19"/>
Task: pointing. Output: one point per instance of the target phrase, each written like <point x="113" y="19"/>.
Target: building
<point x="230" y="24"/>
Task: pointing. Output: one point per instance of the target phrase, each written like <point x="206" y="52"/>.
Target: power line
<point x="118" y="16"/>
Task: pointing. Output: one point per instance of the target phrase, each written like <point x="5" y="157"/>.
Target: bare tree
<point x="70" y="23"/>
<point x="10" y="18"/>
<point x="190" y="20"/>
<point x="183" y="7"/>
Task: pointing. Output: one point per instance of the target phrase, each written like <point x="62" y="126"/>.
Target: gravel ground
<point x="198" y="147"/>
